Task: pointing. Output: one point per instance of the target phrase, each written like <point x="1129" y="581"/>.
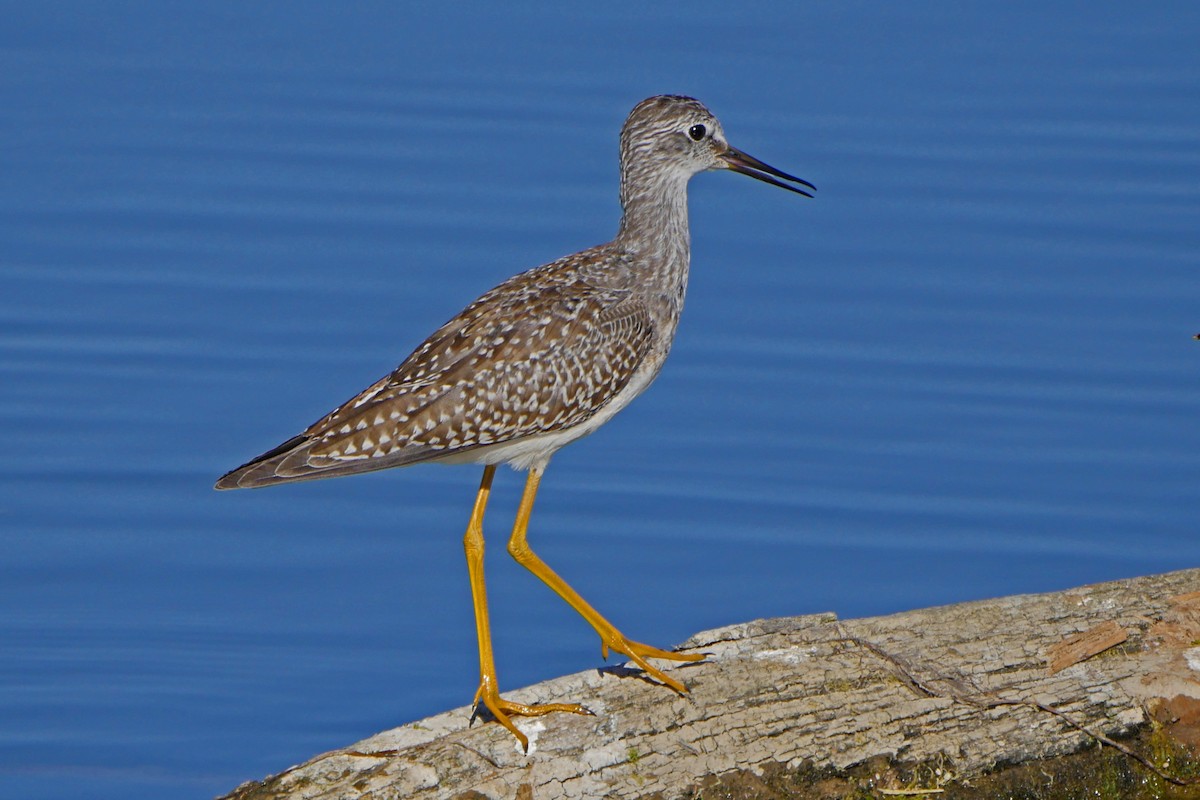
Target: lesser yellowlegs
<point x="541" y="360"/>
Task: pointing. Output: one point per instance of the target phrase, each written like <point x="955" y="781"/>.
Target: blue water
<point x="965" y="370"/>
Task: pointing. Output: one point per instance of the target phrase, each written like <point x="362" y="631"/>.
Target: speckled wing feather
<point x="542" y="352"/>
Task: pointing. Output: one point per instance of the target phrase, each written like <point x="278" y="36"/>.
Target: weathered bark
<point x="970" y="684"/>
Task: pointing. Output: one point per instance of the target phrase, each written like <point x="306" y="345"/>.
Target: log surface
<point x="975" y="684"/>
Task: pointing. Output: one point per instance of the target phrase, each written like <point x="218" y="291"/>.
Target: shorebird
<point x="539" y="361"/>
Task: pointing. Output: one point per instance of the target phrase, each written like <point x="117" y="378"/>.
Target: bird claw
<point x="502" y="710"/>
<point x="638" y="653"/>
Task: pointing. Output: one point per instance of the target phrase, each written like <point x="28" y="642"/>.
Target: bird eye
<point x="697" y="132"/>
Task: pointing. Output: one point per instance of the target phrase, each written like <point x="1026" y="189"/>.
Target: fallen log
<point x="968" y="687"/>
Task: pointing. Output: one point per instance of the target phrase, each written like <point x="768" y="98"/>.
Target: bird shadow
<point x="637" y="673"/>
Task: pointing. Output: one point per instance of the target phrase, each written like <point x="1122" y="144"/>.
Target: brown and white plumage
<point x="536" y="356"/>
<point x="537" y="362"/>
<point x="524" y="369"/>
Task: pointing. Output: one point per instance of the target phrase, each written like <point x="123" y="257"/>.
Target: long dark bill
<point x="749" y="165"/>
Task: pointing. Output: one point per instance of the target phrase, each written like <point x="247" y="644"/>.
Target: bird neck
<point x="655" y="226"/>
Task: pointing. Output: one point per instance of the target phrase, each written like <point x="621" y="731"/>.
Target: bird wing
<point x="533" y="355"/>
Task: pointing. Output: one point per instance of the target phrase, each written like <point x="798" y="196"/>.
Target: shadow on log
<point x="970" y="686"/>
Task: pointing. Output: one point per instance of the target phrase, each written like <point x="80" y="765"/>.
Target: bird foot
<point x="638" y="653"/>
<point x="501" y="710"/>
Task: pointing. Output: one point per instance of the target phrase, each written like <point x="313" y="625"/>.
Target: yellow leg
<point x="610" y="637"/>
<point x="488" y="692"/>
